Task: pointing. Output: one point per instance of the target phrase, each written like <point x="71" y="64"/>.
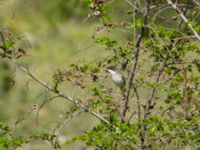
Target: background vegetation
<point x="54" y="37"/>
<point x="91" y="35"/>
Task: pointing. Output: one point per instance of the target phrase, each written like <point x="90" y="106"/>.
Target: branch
<point x="60" y="94"/>
<point x="168" y="109"/>
<point x="68" y="98"/>
<point x="131" y="4"/>
<point x="184" y="18"/>
<point x="67" y="118"/>
<point x="138" y="105"/>
<point x="138" y="102"/>
<point x="150" y="102"/>
<point x="3" y="40"/>
<point x="196" y="2"/>
<point x="136" y="56"/>
<point x="42" y="105"/>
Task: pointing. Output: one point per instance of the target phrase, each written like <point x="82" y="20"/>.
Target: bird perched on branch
<point x="117" y="77"/>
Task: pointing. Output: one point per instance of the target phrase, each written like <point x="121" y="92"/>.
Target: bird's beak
<point x="108" y="70"/>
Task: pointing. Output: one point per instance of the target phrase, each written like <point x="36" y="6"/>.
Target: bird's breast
<point x="118" y="79"/>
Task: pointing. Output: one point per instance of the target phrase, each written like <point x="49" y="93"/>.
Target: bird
<point x="117" y="77"/>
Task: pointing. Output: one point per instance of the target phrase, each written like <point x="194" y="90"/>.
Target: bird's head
<point x="112" y="70"/>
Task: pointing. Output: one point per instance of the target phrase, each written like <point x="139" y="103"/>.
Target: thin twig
<point x="184" y="18"/>
<point x="42" y="105"/>
<point x="136" y="56"/>
<point x="167" y="109"/>
<point x="138" y="103"/>
<point x="4" y="48"/>
<point x="75" y="101"/>
<point x="3" y="40"/>
<point x="131" y="4"/>
<point x="150" y="102"/>
<point x="67" y="118"/>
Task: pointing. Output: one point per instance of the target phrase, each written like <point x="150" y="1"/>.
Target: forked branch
<point x="60" y="94"/>
<point x="136" y="57"/>
<point x="184" y="18"/>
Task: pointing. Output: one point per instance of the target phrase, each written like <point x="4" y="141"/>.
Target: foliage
<point x="8" y="140"/>
<point x="158" y="59"/>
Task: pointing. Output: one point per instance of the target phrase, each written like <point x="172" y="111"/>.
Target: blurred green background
<point x="54" y="36"/>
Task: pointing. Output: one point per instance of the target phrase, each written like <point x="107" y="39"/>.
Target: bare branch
<point x="42" y="105"/>
<point x="138" y="103"/>
<point x="196" y="2"/>
<point x="167" y="109"/>
<point x="76" y="102"/>
<point x="136" y="56"/>
<point x="60" y="94"/>
<point x="184" y="18"/>
<point x="67" y="118"/>
<point x="131" y="4"/>
<point x="3" y="39"/>
<point x="150" y="102"/>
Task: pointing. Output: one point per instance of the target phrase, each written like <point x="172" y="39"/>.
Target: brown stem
<point x="150" y="102"/>
<point x="136" y="57"/>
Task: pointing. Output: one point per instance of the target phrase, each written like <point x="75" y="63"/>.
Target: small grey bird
<point x="117" y="77"/>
